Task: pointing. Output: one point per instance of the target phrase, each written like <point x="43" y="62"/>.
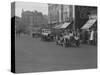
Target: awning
<point x="65" y="25"/>
<point x="58" y="26"/>
<point x="89" y="23"/>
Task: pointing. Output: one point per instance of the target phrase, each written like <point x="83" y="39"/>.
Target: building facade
<point x="83" y="14"/>
<point x="54" y="11"/>
<point x="59" y="13"/>
<point x="34" y="18"/>
<point x="67" y="13"/>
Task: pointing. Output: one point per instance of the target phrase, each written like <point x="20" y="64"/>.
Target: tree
<point x="20" y="26"/>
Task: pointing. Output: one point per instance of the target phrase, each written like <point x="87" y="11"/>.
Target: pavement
<point x="34" y="55"/>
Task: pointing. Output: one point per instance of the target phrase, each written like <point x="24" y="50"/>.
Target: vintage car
<point x="46" y="34"/>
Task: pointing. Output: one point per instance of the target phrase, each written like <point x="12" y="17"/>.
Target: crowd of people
<point x="70" y="38"/>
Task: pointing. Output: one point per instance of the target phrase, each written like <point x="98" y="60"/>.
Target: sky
<point x="30" y="6"/>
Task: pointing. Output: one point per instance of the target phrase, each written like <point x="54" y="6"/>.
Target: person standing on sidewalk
<point x="91" y="37"/>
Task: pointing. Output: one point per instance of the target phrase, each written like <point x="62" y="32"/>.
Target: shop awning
<point x="89" y="23"/>
<point x="65" y="25"/>
<point x="61" y="26"/>
<point x="58" y="26"/>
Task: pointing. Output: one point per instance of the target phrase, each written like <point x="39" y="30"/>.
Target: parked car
<point x="46" y="34"/>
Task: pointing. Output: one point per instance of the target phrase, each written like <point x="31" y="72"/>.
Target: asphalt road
<point x="34" y="55"/>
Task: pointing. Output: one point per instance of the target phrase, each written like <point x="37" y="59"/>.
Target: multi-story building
<point x="79" y="15"/>
<point x="33" y="18"/>
<point x="59" y="13"/>
<point x="83" y="15"/>
<point x="67" y="13"/>
<point x="53" y="13"/>
<point x="27" y="17"/>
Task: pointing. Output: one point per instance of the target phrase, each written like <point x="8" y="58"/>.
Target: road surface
<point x="34" y="55"/>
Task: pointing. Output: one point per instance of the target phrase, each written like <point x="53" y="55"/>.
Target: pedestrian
<point x="95" y="38"/>
<point x="71" y="37"/>
<point x="61" y="40"/>
<point x="91" y="37"/>
<point x="57" y="39"/>
<point x="67" y="39"/>
<point x="86" y="37"/>
<point x="77" y="40"/>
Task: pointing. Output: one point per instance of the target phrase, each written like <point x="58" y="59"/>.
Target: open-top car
<point x="46" y="34"/>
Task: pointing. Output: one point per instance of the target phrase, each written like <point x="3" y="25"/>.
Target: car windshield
<point x="46" y="31"/>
